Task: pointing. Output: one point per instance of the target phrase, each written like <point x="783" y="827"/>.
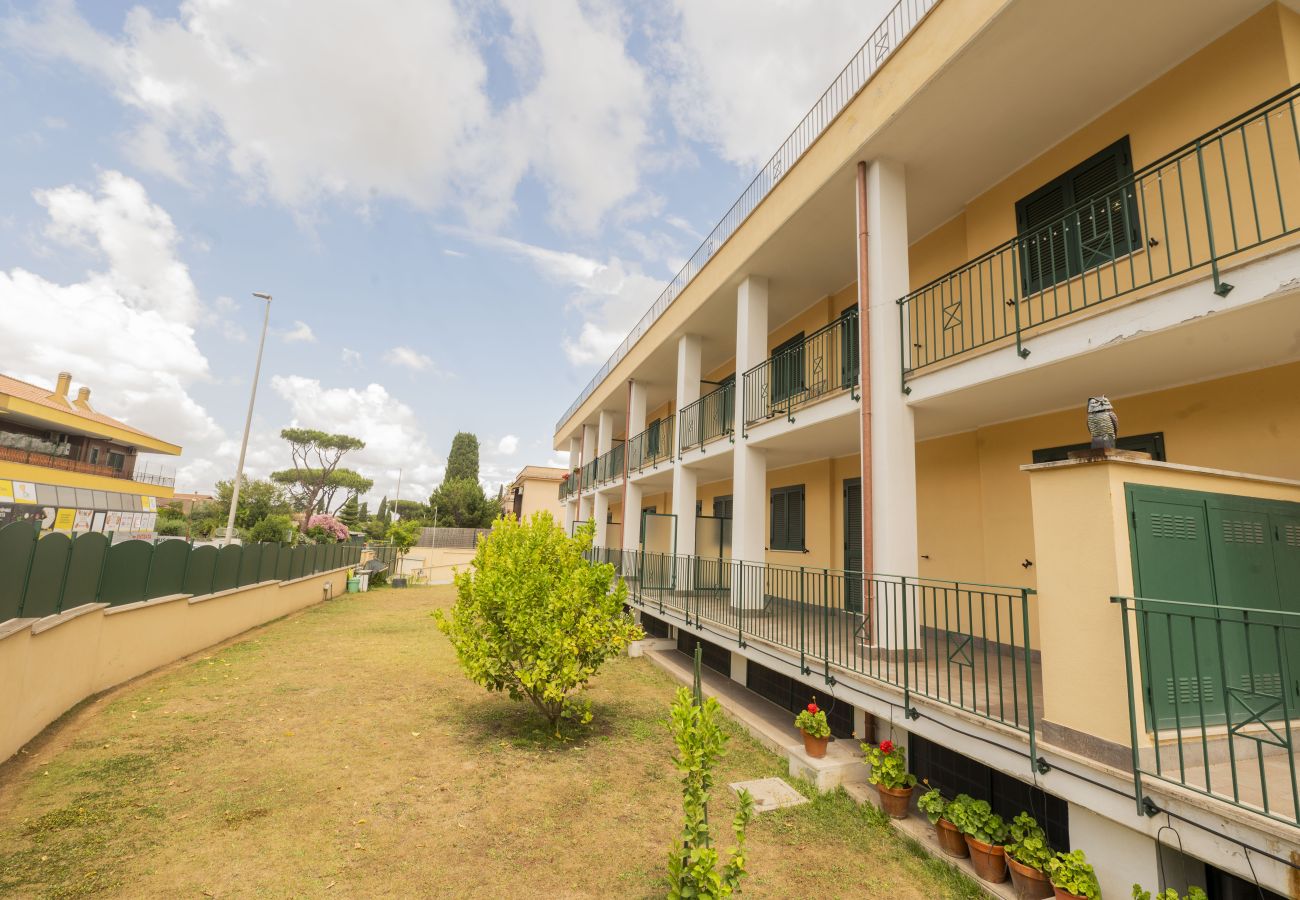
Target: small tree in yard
<point x="693" y="864"/>
<point x="404" y="536"/>
<point x="536" y="620"/>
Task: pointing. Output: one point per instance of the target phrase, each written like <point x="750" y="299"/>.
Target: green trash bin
<point x="354" y="585"/>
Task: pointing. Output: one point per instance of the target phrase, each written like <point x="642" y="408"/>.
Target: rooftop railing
<point x="823" y="362"/>
<point x="63" y="463"/>
<point x="1232" y="189"/>
<point x="708" y="418"/>
<point x="1219" y="696"/>
<point x="652" y="446"/>
<point x="898" y="23"/>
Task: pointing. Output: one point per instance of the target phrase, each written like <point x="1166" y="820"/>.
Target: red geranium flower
<point x="886" y="746"/>
<point x="812" y="708"/>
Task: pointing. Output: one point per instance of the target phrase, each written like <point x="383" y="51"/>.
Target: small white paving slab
<point x="770" y="794"/>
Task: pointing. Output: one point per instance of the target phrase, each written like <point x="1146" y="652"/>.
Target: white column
<point x="632" y="492"/>
<point x="749" y="464"/>
<point x="600" y="507"/>
<point x="684" y="479"/>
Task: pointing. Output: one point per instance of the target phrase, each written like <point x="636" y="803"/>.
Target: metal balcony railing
<point x="609" y="466"/>
<point x="1219" y="697"/>
<point x="708" y="418"/>
<point x="652" y="446"/>
<point x="569" y="486"/>
<point x="897" y="24"/>
<point x="1230" y="190"/>
<point x="589" y="475"/>
<point x="63" y="463"/>
<point x="825" y="361"/>
<point x="958" y="644"/>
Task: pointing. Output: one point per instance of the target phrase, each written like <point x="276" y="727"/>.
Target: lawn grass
<point x="341" y="753"/>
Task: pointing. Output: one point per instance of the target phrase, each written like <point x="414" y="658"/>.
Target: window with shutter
<point x="1084" y="218"/>
<point x="787" y="526"/>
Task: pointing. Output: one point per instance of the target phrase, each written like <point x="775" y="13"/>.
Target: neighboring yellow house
<point x="880" y="362"/>
<point x="73" y="469"/>
<point x="535" y="489"/>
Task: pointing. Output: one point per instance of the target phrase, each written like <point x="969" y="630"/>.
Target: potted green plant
<point x="1072" y="877"/>
<point x="816" y="730"/>
<point x="890" y="776"/>
<point x="1193" y="893"/>
<point x="1027" y="858"/>
<point x="984" y="833"/>
<point x="938" y="810"/>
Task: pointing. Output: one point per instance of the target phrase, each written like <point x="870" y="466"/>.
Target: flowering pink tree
<point x="330" y="526"/>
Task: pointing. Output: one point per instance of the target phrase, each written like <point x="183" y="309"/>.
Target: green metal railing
<point x="652" y="446"/>
<point x="609" y="466"/>
<point x="1232" y="189"/>
<point x="707" y="419"/>
<point x="1218" y="697"/>
<point x="569" y="486"/>
<point x="962" y="645"/>
<point x="824" y="362"/>
<point x="589" y="475"/>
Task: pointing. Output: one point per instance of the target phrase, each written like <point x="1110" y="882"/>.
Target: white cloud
<point x="300" y="333"/>
<point x="354" y="105"/>
<point x="126" y="330"/>
<point x="744" y="74"/>
<point x="409" y="359"/>
<point x="351" y="358"/>
<point x="508" y="445"/>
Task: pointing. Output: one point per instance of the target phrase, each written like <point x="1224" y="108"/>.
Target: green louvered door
<point x="1236" y="553"/>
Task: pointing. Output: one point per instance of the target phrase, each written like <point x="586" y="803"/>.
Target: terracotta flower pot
<point x="988" y="859"/>
<point x="895" y="801"/>
<point x="951" y="841"/>
<point x="1063" y="894"/>
<point x="1030" y="884"/>
<point x="814" y="747"/>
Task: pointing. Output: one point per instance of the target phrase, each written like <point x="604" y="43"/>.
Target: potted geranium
<point x="1027" y="857"/>
<point x="1072" y="877"/>
<point x="985" y="833"/>
<point x="937" y="810"/>
<point x="1193" y="893"/>
<point x="816" y="730"/>
<point x="890" y="776"/>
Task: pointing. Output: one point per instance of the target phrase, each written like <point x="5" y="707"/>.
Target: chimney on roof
<point x="83" y="400"/>
<point x="62" y="386"/>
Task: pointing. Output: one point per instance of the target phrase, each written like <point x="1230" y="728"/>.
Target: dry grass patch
<point x="342" y="753"/>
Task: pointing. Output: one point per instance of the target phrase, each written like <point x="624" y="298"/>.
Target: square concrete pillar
<point x="749" y="464"/>
<point x="739" y="669"/>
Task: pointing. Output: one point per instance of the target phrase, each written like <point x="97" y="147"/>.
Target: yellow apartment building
<point x="535" y="489"/>
<point x="847" y="449"/>
<point x="73" y="469"/>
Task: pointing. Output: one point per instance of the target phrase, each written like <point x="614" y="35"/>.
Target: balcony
<point x="569" y="486"/>
<point x="708" y="418"/>
<point x="63" y="463"/>
<point x="1216" y="199"/>
<point x="823" y="363"/>
<point x="609" y="466"/>
<point x="589" y="476"/>
<point x="651" y="447"/>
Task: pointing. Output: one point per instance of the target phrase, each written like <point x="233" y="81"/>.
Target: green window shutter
<point x="787" y="369"/>
<point x="780" y="523"/>
<point x="794" y="513"/>
<point x="787" y="531"/>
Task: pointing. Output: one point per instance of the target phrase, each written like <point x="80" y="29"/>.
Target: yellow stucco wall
<point x="11" y="471"/>
<point x="541" y="495"/>
<point x="49" y="666"/>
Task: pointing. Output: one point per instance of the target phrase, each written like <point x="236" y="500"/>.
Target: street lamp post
<point x="248" y="421"/>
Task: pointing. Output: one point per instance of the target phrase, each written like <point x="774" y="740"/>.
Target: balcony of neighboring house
<point x="67" y="457"/>
<point x="1107" y="254"/>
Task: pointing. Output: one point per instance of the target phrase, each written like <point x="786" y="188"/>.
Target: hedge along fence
<point x="42" y="576"/>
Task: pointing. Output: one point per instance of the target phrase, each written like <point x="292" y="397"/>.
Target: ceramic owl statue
<point x="1103" y="424"/>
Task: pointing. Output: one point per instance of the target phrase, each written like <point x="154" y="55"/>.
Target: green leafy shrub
<point x="1027" y="843"/>
<point x="888" y="765"/>
<point x="933" y="805"/>
<point x="536" y="620"/>
<point x="693" y="864"/>
<point x="812" y="721"/>
<point x="272" y="530"/>
<point x="1193" y="893"/>
<point x="1072" y="873"/>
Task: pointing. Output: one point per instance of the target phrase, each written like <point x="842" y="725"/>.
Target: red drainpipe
<point x="864" y="379"/>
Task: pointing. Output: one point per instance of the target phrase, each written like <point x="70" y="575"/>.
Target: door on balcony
<point x="849" y="347"/>
<point x="853" y="544"/>
<point x="787" y="369"/>
<point x="1230" y="553"/>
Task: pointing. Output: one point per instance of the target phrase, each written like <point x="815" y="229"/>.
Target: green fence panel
<point x="17" y="543"/>
<point x="126" y="572"/>
<point x="45" y="580"/>
<point x="298" y="565"/>
<point x="227" y="573"/>
<point x="266" y="567"/>
<point x="167" y="571"/>
<point x="283" y="563"/>
<point x="249" y="561"/>
<point x="202" y="569"/>
<point x="85" y="567"/>
<point x="313" y="560"/>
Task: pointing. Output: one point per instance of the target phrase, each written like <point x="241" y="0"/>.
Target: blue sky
<point x="460" y="207"/>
